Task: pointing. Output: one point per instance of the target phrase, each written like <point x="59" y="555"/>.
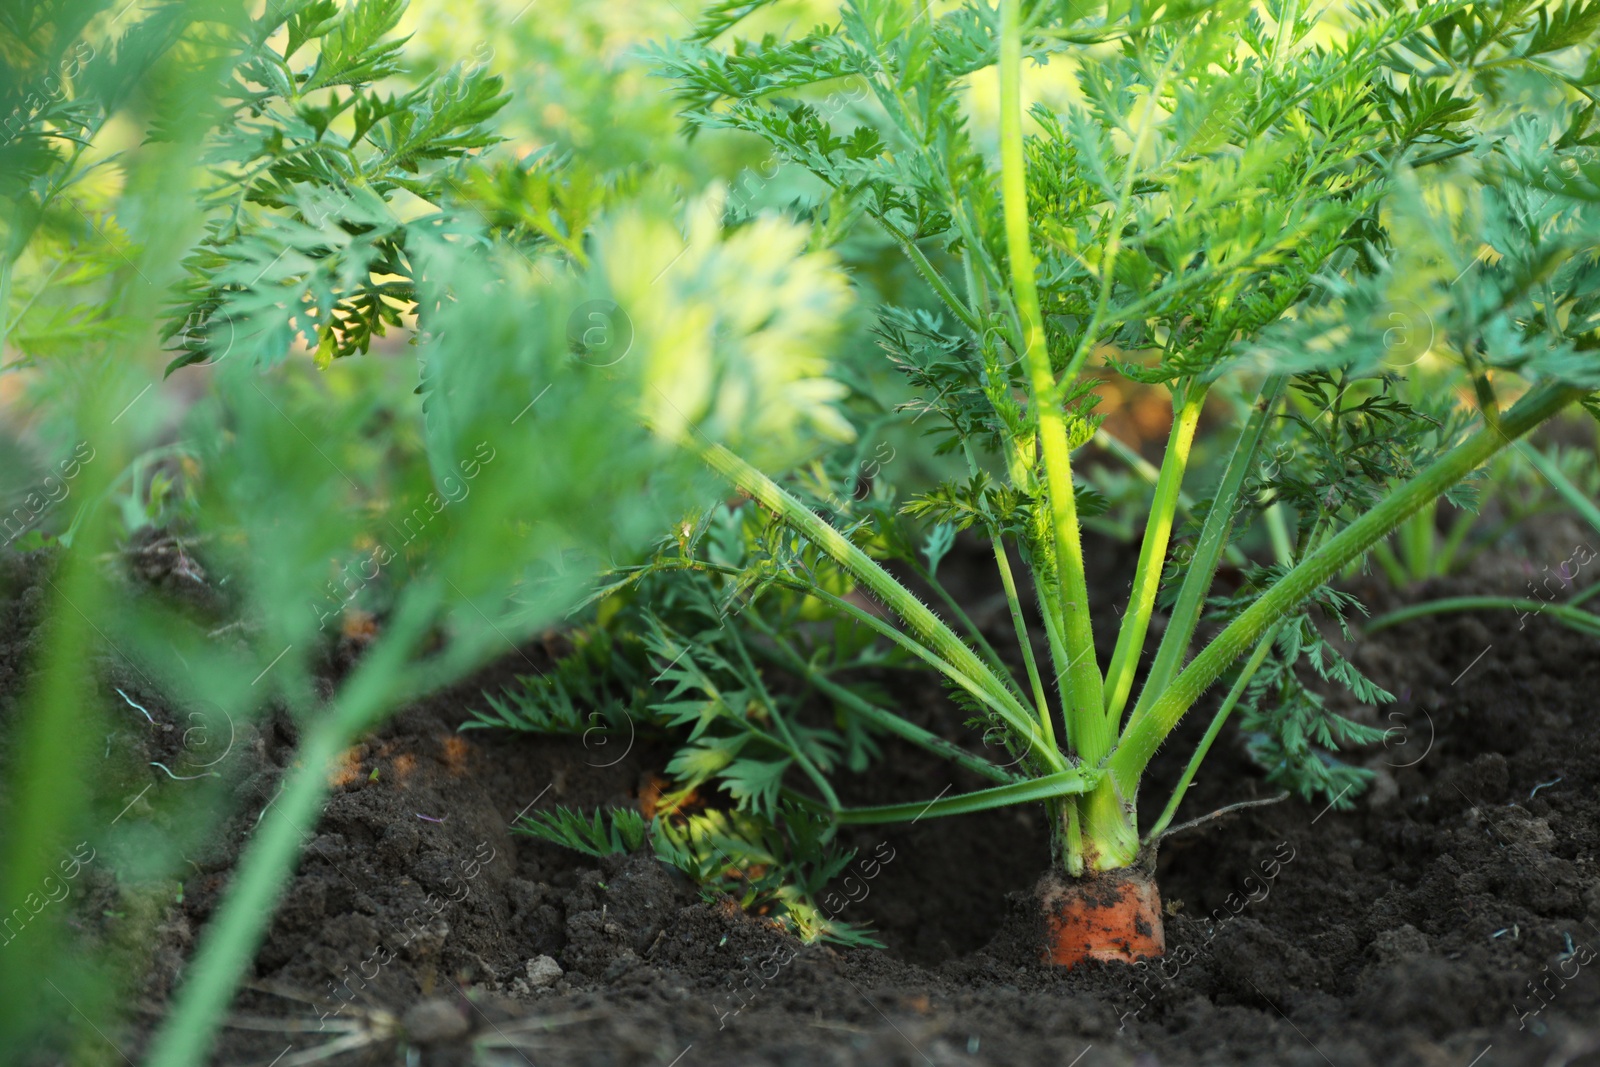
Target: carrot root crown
<point x="1109" y="915"/>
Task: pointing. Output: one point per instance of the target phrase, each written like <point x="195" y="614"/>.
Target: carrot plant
<point x="1222" y="200"/>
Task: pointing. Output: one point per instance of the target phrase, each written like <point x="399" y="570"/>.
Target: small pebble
<point x="543" y="971"/>
<point x="429" y="1021"/>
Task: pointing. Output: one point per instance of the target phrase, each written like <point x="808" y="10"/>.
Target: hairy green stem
<point x="1251" y="665"/>
<point x="1152" y="552"/>
<point x="1137" y="463"/>
<point x="977" y="291"/>
<point x="1098" y="829"/>
<point x="790" y="742"/>
<point x="1278" y="533"/>
<point x="1451" y="548"/>
<point x="984" y="648"/>
<point x="1070" y="782"/>
<point x="1146" y="731"/>
<point x="935" y="280"/>
<point x="1383" y="552"/>
<point x="1019" y="624"/>
<point x="943" y="648"/>
<point x="917" y="648"/>
<point x="1214" y="534"/>
<point x="1563" y="485"/>
<point x="1012" y="712"/>
<point x="1147" y="470"/>
<point x="1566" y="612"/>
<point x="785" y="653"/>
<point x="1416" y="545"/>
<point x="1083" y="707"/>
<point x="1009" y="583"/>
<point x="1045" y="597"/>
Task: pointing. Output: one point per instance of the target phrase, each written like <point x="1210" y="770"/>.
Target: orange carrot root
<point x="1108" y="915"/>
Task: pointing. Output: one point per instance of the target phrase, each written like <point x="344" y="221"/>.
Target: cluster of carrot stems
<point x="1089" y="773"/>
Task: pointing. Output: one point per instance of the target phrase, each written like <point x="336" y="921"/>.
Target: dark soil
<point x="1450" y="918"/>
